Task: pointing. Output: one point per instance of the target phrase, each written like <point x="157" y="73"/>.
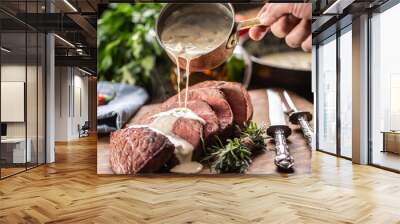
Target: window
<point x="385" y="89"/>
<point x="326" y="107"/>
<point x="22" y="78"/>
<point x="15" y="147"/>
<point x="346" y="92"/>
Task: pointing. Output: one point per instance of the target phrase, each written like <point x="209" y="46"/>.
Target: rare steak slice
<point x="237" y="97"/>
<point x="203" y="110"/>
<point x="187" y="129"/>
<point x="199" y="107"/>
<point x="139" y="150"/>
<point x="212" y="97"/>
<point x="192" y="132"/>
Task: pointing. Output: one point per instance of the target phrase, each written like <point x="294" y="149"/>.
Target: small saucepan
<point x="214" y="57"/>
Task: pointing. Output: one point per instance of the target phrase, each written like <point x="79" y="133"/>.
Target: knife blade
<point x="301" y="118"/>
<point x="289" y="102"/>
<point x="276" y="115"/>
<point x="285" y="109"/>
<point x="279" y="130"/>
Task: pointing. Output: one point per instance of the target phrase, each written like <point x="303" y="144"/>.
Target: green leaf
<point x="148" y="63"/>
<point x="235" y="68"/>
<point x="106" y="62"/>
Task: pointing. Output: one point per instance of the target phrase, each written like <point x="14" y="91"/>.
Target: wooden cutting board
<point x="263" y="163"/>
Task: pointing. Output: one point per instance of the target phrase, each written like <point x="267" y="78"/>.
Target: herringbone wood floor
<point x="69" y="191"/>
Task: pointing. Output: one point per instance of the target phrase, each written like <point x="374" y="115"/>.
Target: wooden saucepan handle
<point x="248" y="23"/>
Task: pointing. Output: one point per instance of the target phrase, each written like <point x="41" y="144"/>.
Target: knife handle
<point x="282" y="158"/>
<point x="305" y="127"/>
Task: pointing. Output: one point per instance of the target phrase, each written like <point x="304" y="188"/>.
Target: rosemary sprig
<point x="235" y="155"/>
<point x="253" y="136"/>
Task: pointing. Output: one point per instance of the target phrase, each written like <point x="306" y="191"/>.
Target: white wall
<point x="12" y="73"/>
<point x="61" y="103"/>
<point x="80" y="110"/>
<point x="71" y="94"/>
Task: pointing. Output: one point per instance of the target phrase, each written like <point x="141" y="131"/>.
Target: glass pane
<point x="31" y="98"/>
<point x="13" y="85"/>
<point x="32" y="87"/>
<point x="345" y="94"/>
<point x="385" y="84"/>
<point x="327" y="96"/>
<point x="41" y="99"/>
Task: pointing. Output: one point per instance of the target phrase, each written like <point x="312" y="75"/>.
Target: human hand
<point x="291" y="21"/>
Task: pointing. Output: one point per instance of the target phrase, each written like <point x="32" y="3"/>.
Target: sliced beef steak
<point x="187" y="129"/>
<point x="139" y="150"/>
<point x="200" y="107"/>
<point x="192" y="132"/>
<point x="212" y="97"/>
<point x="237" y="97"/>
<point x="203" y="110"/>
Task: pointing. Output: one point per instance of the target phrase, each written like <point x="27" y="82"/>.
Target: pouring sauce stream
<point x="189" y="32"/>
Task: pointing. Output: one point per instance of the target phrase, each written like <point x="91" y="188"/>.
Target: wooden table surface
<point x="263" y="163"/>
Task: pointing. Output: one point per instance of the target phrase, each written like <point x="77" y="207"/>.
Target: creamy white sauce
<point x="188" y="57"/>
<point x="187" y="168"/>
<point x="163" y="124"/>
<point x="181" y="113"/>
<point x="187" y="80"/>
<point x="178" y="72"/>
<point x="196" y="29"/>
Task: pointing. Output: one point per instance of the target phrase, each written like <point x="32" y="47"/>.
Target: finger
<point x="298" y="34"/>
<point x="277" y="10"/>
<point x="263" y="9"/>
<point x="302" y="10"/>
<point x="258" y="32"/>
<point x="284" y="25"/>
<point x="274" y="12"/>
<point x="306" y="45"/>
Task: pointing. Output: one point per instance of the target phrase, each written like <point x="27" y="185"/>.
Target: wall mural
<point x="183" y="89"/>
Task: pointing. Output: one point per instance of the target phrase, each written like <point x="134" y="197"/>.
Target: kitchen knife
<point x="279" y="130"/>
<point x="301" y="118"/>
